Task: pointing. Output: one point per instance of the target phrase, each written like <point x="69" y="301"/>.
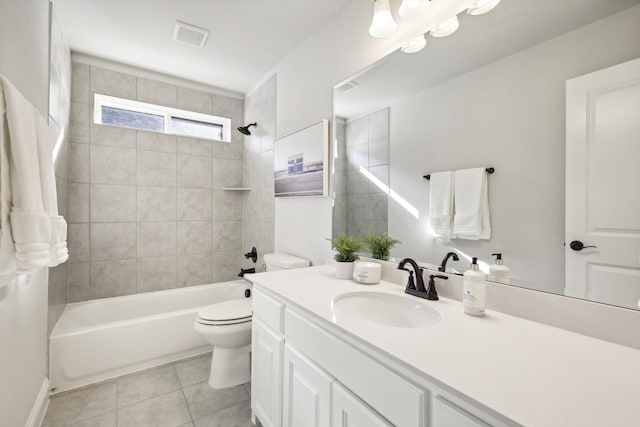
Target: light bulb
<point x="482" y="6"/>
<point x="414" y="9"/>
<point x="446" y="28"/>
<point x="414" y="45"/>
<point x="382" y="24"/>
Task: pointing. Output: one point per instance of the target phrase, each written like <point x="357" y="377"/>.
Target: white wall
<point x="514" y="120"/>
<point x="337" y="50"/>
<point x="24" y="47"/>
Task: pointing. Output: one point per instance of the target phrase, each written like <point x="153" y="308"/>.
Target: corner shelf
<point x="236" y="189"/>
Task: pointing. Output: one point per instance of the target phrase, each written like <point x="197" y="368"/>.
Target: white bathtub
<point x="101" y="339"/>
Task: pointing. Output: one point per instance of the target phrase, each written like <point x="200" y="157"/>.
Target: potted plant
<point x="346" y="248"/>
<point x="380" y="244"/>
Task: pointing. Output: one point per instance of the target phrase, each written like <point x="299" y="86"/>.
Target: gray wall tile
<point x="79" y="282"/>
<point x="78" y="202"/>
<point x="229" y="150"/>
<point x="113" y="278"/>
<point x="156" y="239"/>
<point x="112" y="165"/>
<point x="113" y="83"/>
<point x="194" y="237"/>
<point x="156" y="204"/>
<point x="80" y="83"/>
<point x="113" y="241"/>
<point x="155" y="92"/>
<point x="157" y="169"/>
<point x="194" y="204"/>
<point x="227" y="236"/>
<point x="78" y="242"/>
<point x="78" y="162"/>
<point x="227" y="173"/>
<point x="194" y="269"/>
<point x="193" y="100"/>
<point x="194" y="171"/>
<point x="79" y="123"/>
<point x="154" y="141"/>
<point x="113" y="136"/>
<point x="113" y="203"/>
<point x="227" y="205"/>
<point x="156" y="274"/>
<point x="194" y="146"/>
<point x="226" y="266"/>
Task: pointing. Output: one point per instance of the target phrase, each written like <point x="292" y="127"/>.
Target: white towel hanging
<point x="472" y="218"/>
<point x="441" y="205"/>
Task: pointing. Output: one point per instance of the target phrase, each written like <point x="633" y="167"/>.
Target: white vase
<point x="344" y="270"/>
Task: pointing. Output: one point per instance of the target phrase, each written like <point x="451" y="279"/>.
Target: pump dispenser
<point x="474" y="290"/>
<point x="499" y="272"/>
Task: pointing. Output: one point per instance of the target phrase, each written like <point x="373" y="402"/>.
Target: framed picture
<point x="300" y="162"/>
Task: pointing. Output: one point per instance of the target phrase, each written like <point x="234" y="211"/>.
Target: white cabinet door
<point x="349" y="411"/>
<point x="266" y="375"/>
<point x="446" y="414"/>
<point x="602" y="185"/>
<point x="307" y="392"/>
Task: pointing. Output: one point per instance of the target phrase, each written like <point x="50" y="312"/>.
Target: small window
<point x="125" y="113"/>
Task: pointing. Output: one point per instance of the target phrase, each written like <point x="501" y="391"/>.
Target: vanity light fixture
<point x="414" y="9"/>
<point x="446" y="27"/>
<point x="482" y="6"/>
<point x="414" y="45"/>
<point x="382" y="24"/>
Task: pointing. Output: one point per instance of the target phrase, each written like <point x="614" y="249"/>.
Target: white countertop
<point x="531" y="373"/>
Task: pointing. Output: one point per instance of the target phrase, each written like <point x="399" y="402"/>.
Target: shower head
<point x="245" y="129"/>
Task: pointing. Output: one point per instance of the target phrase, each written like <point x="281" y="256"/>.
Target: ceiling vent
<point x="347" y="86"/>
<point x="190" y="34"/>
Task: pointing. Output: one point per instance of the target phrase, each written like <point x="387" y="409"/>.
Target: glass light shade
<point x="414" y="9"/>
<point x="482" y="6"/>
<point x="414" y="45"/>
<point x="447" y="27"/>
<point x="382" y="24"/>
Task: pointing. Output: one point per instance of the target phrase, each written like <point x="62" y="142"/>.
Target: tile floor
<point x="174" y="395"/>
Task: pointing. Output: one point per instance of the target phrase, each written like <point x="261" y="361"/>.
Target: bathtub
<point x="101" y="339"/>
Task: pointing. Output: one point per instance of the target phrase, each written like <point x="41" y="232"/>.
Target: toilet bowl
<point x="227" y="326"/>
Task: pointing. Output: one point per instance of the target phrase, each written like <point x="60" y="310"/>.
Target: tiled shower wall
<point x="147" y="210"/>
<point x="366" y="148"/>
<point x="259" y="203"/>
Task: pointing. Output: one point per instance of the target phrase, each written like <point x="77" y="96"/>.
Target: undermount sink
<point x="383" y="309"/>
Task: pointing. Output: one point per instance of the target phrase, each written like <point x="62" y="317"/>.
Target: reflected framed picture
<point x="300" y="162"/>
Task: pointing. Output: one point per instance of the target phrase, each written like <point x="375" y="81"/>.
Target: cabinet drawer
<point x="446" y="414"/>
<point x="269" y="310"/>
<point x="394" y="398"/>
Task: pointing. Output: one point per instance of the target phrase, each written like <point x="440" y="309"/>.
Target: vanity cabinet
<point x="306" y="375"/>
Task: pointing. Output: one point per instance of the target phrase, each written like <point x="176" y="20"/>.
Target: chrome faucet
<point x="417" y="288"/>
<point x="443" y="266"/>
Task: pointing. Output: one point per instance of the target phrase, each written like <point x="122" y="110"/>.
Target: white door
<point x="307" y="392"/>
<point x="266" y="374"/>
<point x="349" y="411"/>
<point x="603" y="185"/>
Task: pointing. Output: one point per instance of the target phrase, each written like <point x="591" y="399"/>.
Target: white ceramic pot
<point x="344" y="270"/>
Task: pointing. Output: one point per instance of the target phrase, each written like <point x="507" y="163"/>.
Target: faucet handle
<point x="410" y="283"/>
<point x="432" y="294"/>
<point x="438" y="276"/>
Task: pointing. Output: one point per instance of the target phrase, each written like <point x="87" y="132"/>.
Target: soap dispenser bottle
<point x="499" y="272"/>
<point x="474" y="290"/>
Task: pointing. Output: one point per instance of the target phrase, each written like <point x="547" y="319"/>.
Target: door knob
<point x="577" y="245"/>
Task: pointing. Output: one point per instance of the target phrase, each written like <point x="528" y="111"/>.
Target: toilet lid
<point x="227" y="312"/>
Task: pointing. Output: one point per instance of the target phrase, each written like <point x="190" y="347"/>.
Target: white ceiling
<point x="247" y="37"/>
<point x="512" y="26"/>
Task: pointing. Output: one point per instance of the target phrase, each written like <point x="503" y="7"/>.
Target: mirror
<point x="493" y="94"/>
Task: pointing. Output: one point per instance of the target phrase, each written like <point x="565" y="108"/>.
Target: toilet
<point x="227" y="326"/>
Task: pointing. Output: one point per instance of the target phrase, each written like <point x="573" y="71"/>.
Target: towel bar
<point x="489" y="171"/>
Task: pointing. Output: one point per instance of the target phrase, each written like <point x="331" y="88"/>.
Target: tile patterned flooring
<point x="174" y="395"/>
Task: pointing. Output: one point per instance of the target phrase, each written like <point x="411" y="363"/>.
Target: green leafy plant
<point x="380" y="244"/>
<point x="347" y="246"/>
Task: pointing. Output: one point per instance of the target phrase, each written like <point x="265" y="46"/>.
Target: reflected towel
<point x="32" y="235"/>
<point x="441" y="205"/>
<point x="472" y="219"/>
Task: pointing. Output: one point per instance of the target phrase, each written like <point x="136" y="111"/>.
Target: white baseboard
<point x="39" y="406"/>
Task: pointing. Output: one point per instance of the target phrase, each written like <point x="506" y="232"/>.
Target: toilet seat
<point x="229" y="312"/>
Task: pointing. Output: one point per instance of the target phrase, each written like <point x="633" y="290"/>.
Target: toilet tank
<point x="282" y="261"/>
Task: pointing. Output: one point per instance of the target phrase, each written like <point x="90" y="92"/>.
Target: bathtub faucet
<point x="244" y="271"/>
